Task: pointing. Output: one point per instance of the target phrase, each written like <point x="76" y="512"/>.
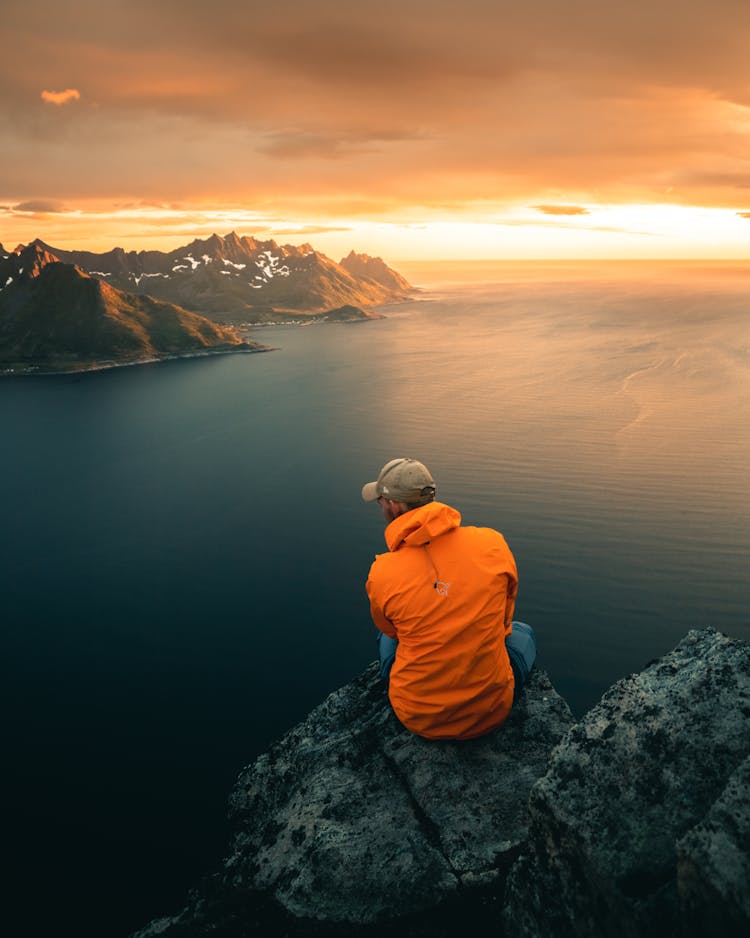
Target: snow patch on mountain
<point x="137" y="280"/>
<point x="269" y="265"/>
<point x="290" y="277"/>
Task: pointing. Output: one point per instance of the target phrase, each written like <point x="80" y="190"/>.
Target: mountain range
<point x="55" y="317"/>
<point x="61" y="310"/>
<point x="240" y="279"/>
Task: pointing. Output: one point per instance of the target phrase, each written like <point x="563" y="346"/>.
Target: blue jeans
<point x="520" y="645"/>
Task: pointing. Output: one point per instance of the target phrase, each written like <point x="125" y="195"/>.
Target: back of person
<point x="446" y="593"/>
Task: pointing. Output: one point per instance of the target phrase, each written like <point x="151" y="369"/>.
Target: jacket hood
<point x="420" y="525"/>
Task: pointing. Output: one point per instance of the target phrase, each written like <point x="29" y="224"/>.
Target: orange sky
<point x="410" y="129"/>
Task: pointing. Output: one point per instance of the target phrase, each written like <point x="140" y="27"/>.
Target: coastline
<point x="107" y="365"/>
<point x="8" y="371"/>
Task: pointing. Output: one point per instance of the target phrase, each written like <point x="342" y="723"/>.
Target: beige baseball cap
<point x="402" y="480"/>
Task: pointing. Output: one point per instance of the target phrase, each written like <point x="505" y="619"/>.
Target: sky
<point x="417" y="129"/>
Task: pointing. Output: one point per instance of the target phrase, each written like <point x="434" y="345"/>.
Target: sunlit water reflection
<point x="184" y="546"/>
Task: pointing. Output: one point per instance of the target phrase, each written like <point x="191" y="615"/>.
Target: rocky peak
<point x="38" y="253"/>
<point x="641" y="825"/>
<point x="634" y="821"/>
<point x="299" y="250"/>
<point x="238" y="278"/>
<point x="374" y="268"/>
<point x="25" y="262"/>
<point x="249" y="244"/>
<point x="350" y="819"/>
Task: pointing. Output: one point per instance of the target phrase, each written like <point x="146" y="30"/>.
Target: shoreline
<point x="33" y="370"/>
<point x="6" y="371"/>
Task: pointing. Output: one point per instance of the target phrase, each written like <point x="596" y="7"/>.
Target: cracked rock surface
<point x="349" y="819"/>
<point x="641" y="826"/>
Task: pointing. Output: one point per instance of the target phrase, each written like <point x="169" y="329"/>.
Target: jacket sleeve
<point x="380" y="619"/>
<point x="508" y="567"/>
<point x="510" y="601"/>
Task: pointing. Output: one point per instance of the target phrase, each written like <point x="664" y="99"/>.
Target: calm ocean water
<point x="184" y="547"/>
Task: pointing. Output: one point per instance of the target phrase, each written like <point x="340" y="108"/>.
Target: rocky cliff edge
<point x="634" y="821"/>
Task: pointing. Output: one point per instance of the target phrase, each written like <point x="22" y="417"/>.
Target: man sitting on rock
<point x="443" y="599"/>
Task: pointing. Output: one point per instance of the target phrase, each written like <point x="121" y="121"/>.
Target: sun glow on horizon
<point x="417" y="131"/>
<point x="549" y="230"/>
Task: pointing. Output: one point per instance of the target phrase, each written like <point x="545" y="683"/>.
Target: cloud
<point x="301" y="144"/>
<point x="61" y="97"/>
<point x="323" y="108"/>
<point x="561" y="225"/>
<point x="40" y="206"/>
<point x="306" y="230"/>
<point x="561" y="209"/>
<point x="744" y="214"/>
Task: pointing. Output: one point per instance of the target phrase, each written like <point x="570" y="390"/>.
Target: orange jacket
<point x="447" y="594"/>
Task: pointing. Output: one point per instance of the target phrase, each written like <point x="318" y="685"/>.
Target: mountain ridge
<point x="242" y="279"/>
<point x="54" y="316"/>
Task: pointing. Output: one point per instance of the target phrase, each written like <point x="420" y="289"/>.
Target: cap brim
<point x="370" y="492"/>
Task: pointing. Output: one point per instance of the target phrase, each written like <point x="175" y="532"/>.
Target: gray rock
<point x="640" y="826"/>
<point x="349" y="819"/>
<point x="352" y="818"/>
<point x="713" y="864"/>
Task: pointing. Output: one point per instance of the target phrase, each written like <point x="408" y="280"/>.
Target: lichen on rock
<point x="351" y="821"/>
<point x="365" y="821"/>
<point x="633" y="822"/>
<point x="626" y="787"/>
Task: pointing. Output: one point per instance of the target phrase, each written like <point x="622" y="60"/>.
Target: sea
<point x="184" y="545"/>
